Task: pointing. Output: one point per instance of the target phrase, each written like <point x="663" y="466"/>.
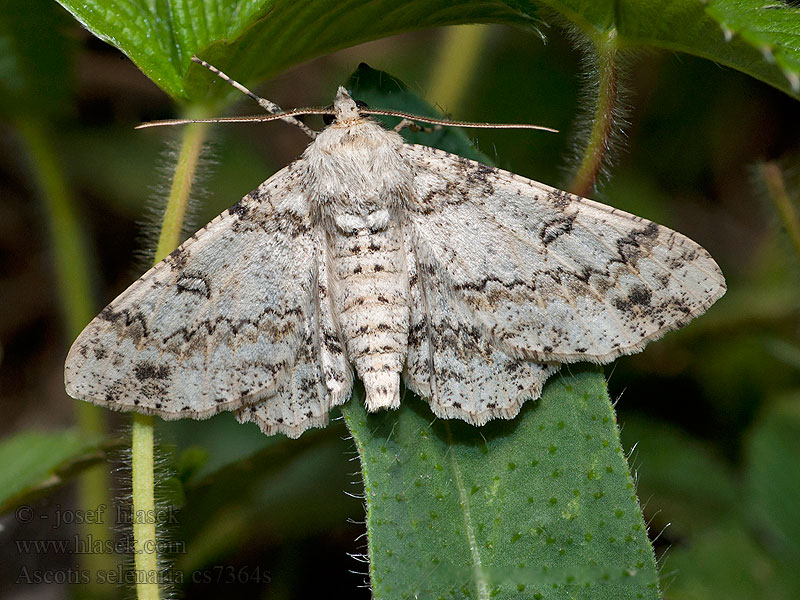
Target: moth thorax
<point x="357" y="162"/>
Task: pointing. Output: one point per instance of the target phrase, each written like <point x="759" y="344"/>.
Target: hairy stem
<point x="192" y="140"/>
<point x="603" y="121"/>
<point x="70" y="256"/>
<point x="142" y="462"/>
<point x="456" y="64"/>
<point x="144" y="508"/>
<point x="776" y="188"/>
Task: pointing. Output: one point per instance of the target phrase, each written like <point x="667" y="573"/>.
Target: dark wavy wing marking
<point x="220" y="323"/>
<point x="454" y="364"/>
<point x="548" y="275"/>
<point x="320" y="378"/>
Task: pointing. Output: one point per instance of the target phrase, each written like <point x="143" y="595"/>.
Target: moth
<point x="393" y="260"/>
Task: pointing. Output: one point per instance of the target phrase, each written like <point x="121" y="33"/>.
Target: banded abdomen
<point x="370" y="295"/>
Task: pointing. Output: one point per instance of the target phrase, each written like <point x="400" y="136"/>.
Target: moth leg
<point x="416" y="128"/>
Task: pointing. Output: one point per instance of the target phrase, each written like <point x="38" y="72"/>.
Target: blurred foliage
<point x="714" y="407"/>
<point x="35" y="71"/>
<point x="737" y="534"/>
<point x="32" y="462"/>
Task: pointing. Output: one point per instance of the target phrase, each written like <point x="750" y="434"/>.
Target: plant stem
<point x="70" y="253"/>
<point x="144" y="513"/>
<point x="776" y="188"/>
<point x="142" y="464"/>
<point x="185" y="170"/>
<point x="456" y="63"/>
<point x="70" y="256"/>
<point x="603" y="121"/>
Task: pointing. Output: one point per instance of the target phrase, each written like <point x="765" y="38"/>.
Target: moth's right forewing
<point x="219" y="323"/>
<point x="551" y="276"/>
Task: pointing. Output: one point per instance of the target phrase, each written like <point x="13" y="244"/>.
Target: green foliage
<point x="254" y="39"/>
<point x="380" y="89"/>
<point x="36" y="90"/>
<point x="773" y="477"/>
<point x="543" y="504"/>
<point x="771" y="28"/>
<point x="447" y="502"/>
<point x="33" y="462"/>
<point x="35" y="70"/>
<point x="270" y="476"/>
<point x="257" y="39"/>
<point x="741" y="531"/>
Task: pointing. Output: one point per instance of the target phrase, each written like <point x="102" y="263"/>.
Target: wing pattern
<point x="507" y="279"/>
<point x="235" y="315"/>
<point x="453" y="364"/>
<point x="547" y="275"/>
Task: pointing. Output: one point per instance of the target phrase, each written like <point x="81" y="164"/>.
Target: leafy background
<point x="714" y="410"/>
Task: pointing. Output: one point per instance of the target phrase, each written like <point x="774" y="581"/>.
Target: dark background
<point x="698" y="403"/>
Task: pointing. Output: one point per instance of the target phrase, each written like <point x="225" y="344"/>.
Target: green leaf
<point x="253" y="40"/>
<point x="685" y="26"/>
<point x="774" y="475"/>
<point x="772" y="28"/>
<point x="378" y="88"/>
<point x="33" y="461"/>
<point x="542" y="505"/>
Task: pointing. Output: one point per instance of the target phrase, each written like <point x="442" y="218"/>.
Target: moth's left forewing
<point x="548" y="275"/>
<point x="230" y="319"/>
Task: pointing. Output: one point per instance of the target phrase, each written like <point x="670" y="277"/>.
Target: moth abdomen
<point x="371" y="299"/>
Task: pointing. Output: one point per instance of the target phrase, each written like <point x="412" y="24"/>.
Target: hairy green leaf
<point x="542" y="505"/>
<point x="253" y="40"/>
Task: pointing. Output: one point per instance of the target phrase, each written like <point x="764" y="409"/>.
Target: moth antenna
<point x="267" y="105"/>
<point x="283" y="116"/>
<point x="408" y="119"/>
<point x="411" y="126"/>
